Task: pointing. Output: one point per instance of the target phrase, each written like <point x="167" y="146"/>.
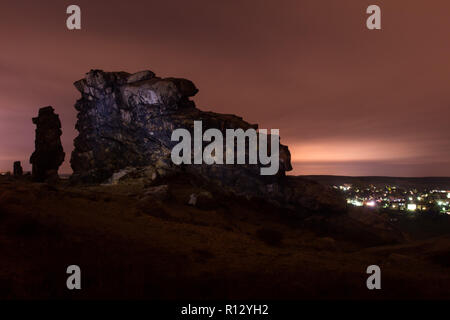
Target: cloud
<point x="341" y="95"/>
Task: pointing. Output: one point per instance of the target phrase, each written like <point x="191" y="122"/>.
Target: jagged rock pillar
<point x="49" y="154"/>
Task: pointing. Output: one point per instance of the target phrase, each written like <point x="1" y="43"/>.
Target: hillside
<point x="136" y="241"/>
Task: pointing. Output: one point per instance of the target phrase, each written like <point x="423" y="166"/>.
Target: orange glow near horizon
<point x="340" y="151"/>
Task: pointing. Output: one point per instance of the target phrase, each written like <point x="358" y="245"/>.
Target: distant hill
<point x="425" y="182"/>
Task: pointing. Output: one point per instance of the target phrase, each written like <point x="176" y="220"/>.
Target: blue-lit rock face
<point x="125" y="123"/>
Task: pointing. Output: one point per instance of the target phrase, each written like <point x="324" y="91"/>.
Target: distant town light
<point x="410" y="200"/>
<point x="355" y="202"/>
<point x="370" y="203"/>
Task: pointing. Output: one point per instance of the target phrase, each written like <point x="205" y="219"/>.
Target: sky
<point x="347" y="100"/>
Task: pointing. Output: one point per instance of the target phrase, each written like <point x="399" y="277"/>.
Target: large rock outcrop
<point x="125" y="121"/>
<point x="49" y="154"/>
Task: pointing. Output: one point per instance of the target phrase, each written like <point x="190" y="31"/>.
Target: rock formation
<point x="18" y="171"/>
<point x="127" y="120"/>
<point x="48" y="155"/>
<point x="125" y="123"/>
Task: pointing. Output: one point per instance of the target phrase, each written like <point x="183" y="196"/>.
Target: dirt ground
<point x="130" y="247"/>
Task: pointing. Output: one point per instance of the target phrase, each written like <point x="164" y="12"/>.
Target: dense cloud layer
<point x="346" y="100"/>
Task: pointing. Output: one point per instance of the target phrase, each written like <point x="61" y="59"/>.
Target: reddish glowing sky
<point x="347" y="100"/>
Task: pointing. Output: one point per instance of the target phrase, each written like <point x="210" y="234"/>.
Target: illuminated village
<point x="397" y="198"/>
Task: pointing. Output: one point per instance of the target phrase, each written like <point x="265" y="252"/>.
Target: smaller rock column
<point x="18" y="171"/>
